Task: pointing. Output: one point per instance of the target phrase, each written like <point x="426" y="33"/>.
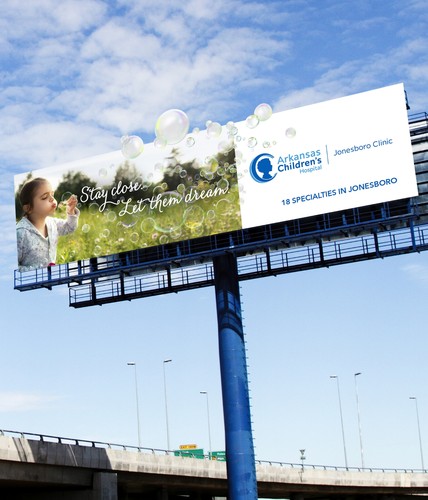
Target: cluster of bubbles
<point x="262" y="113"/>
<point x="172" y="127"/>
<point x="186" y="217"/>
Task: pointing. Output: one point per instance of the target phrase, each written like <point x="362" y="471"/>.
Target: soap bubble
<point x="263" y="112"/>
<point x="111" y="216"/>
<point x="213" y="129"/>
<point x="64" y="199"/>
<point x="252" y="142"/>
<point x="190" y="141"/>
<point x="94" y="208"/>
<point x="211" y="164"/>
<point x="172" y="126"/>
<point x="290" y="132"/>
<point x="86" y="228"/>
<point x="232" y="131"/>
<point x="173" y="218"/>
<point x="175" y="234"/>
<point x="223" y="207"/>
<point x="128" y="222"/>
<point x="132" y="146"/>
<point x="223" y="184"/>
<point x="66" y="196"/>
<point x="252" y="121"/>
<point x="147" y="225"/>
<point x="194" y="217"/>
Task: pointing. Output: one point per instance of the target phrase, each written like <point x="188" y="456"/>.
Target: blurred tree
<point x="126" y="174"/>
<point x="72" y="182"/>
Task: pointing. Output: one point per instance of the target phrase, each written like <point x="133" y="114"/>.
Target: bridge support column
<point x="241" y="469"/>
<point x="104" y="486"/>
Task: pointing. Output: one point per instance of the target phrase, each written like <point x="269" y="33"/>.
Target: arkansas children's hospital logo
<point x="265" y="167"/>
<point x="261" y="168"/>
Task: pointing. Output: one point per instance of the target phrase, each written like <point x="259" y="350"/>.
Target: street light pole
<point x="302" y="458"/>
<point x="341" y="418"/>
<point x="166" y="403"/>
<point x="359" y="419"/>
<point x="209" y="426"/>
<point x="419" y="430"/>
<point x="136" y="398"/>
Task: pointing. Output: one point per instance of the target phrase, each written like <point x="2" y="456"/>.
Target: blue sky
<point x="78" y="75"/>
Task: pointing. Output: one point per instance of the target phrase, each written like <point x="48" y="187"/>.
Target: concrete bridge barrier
<point x="51" y="468"/>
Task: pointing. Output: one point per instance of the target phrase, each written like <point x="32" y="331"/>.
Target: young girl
<point x="37" y="232"/>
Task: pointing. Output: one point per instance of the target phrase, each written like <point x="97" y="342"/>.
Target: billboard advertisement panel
<point x="339" y="154"/>
<point x="343" y="153"/>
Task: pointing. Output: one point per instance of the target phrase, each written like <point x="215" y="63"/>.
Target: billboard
<point x="347" y="152"/>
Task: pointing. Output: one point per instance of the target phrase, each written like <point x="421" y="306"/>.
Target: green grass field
<point x="107" y="233"/>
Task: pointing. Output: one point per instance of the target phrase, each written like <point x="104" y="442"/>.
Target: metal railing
<point x="46" y="438"/>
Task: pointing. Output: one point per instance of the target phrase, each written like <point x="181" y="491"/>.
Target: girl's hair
<point x="27" y="192"/>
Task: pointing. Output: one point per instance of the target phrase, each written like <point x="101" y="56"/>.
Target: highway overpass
<point x="44" y="467"/>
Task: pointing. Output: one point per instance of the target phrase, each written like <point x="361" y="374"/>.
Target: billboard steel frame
<point x="376" y="230"/>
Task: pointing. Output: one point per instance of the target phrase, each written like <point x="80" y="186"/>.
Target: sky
<point x="75" y="77"/>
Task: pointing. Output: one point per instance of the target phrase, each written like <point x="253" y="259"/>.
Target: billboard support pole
<point x="241" y="469"/>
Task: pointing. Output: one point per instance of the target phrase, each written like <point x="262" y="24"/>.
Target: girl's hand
<point x="71" y="204"/>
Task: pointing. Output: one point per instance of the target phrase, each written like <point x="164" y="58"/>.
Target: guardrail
<point x="101" y="444"/>
<point x="80" y="442"/>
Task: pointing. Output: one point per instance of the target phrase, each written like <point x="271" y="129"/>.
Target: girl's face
<point x="44" y="203"/>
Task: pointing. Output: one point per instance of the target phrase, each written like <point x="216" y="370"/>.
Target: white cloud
<point x="50" y="143"/>
<point x="120" y="41"/>
<point x="417" y="272"/>
<point x="22" y="401"/>
<point x="121" y="72"/>
<point x="28" y="20"/>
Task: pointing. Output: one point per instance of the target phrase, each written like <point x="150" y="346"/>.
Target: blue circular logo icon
<point x="261" y="168"/>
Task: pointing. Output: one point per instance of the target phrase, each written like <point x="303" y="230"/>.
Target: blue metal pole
<point x="240" y="462"/>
